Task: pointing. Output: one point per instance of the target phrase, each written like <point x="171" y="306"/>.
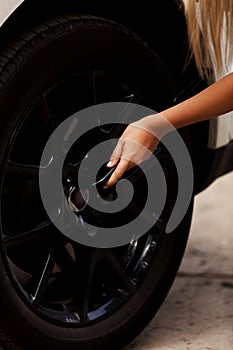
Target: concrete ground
<point x="198" y="311"/>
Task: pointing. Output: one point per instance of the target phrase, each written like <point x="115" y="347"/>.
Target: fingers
<point x="134" y="146"/>
<point x="116" y="155"/>
<point x="119" y="171"/>
<point x="112" y="162"/>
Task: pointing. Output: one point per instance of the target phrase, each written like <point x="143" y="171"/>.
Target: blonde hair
<point x="210" y="30"/>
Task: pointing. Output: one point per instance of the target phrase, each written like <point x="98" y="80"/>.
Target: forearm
<point x="215" y="100"/>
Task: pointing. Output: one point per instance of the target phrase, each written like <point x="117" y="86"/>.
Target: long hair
<point x="210" y="30"/>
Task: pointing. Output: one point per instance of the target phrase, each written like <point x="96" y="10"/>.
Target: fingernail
<point x="110" y="163"/>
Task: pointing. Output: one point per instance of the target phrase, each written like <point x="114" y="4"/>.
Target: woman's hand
<point x="142" y="137"/>
<point x="134" y="146"/>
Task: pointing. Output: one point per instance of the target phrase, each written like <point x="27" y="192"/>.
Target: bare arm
<point x="215" y="100"/>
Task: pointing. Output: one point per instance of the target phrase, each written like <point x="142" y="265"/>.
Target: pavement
<point x="198" y="311"/>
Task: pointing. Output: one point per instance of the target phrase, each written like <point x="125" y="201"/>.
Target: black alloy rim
<point x="60" y="280"/>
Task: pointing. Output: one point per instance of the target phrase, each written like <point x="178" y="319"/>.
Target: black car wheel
<point x="56" y="293"/>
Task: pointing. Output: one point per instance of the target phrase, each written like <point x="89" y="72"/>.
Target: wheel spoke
<point x="20" y="169"/>
<point x="86" y="260"/>
<point x="120" y="271"/>
<point x="87" y="291"/>
<point x="41" y="281"/>
<point x="91" y="81"/>
<point x="63" y="257"/>
<point x="17" y="239"/>
<point x="46" y="115"/>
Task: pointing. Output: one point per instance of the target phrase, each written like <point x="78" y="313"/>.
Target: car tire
<point x="39" y="70"/>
